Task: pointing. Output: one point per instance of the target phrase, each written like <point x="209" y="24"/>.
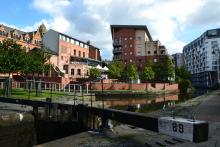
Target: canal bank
<point x="125" y="135"/>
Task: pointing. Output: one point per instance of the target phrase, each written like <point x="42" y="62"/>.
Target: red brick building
<point x="73" y="57"/>
<point x="134" y="44"/>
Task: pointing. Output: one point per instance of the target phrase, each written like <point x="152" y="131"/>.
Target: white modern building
<point x="201" y="58"/>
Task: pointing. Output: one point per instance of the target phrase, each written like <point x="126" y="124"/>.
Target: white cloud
<point x="91" y="19"/>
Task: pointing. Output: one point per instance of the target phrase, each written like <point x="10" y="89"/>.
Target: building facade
<point x="73" y="57"/>
<point x="201" y="58"/>
<point x="178" y="59"/>
<point x="134" y="44"/>
<point x="28" y="40"/>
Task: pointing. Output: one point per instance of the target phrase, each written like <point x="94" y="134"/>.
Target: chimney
<point x="88" y="42"/>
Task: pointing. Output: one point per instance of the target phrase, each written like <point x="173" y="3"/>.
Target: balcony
<point x="117" y="43"/>
<point x="117" y="57"/>
<point x="117" y="50"/>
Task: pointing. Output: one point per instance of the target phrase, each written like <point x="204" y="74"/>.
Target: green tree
<point x="116" y="70"/>
<point x="11" y="57"/>
<point x="132" y="72"/>
<point x="168" y="69"/>
<point x="158" y="72"/>
<point x="148" y="73"/>
<point x="183" y="78"/>
<point x="94" y="73"/>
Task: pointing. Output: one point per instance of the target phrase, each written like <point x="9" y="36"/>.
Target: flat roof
<point x="137" y="27"/>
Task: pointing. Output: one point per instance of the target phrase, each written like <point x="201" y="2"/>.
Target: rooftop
<point x="137" y="27"/>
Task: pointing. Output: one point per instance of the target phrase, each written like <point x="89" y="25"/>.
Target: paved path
<point x="209" y="109"/>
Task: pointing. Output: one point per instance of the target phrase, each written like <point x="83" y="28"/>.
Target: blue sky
<point x="174" y="22"/>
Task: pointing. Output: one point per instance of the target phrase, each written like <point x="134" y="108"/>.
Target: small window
<point x="125" y="45"/>
<point x="131" y="38"/>
<point x="155" y="52"/>
<point x="125" y="54"/>
<point x="139" y="38"/>
<point x="72" y="71"/>
<point x="79" y="54"/>
<point x="125" y="38"/>
<point x="83" y="54"/>
<point x="67" y="39"/>
<point x="130" y="53"/>
<point x="61" y="57"/>
<point x="148" y="52"/>
<point x="78" y="71"/>
<point x="74" y="52"/>
<point x="131" y="45"/>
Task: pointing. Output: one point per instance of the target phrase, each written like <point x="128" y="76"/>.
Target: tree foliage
<point x="94" y="73"/>
<point x="132" y="72"/>
<point x="14" y="59"/>
<point x="116" y="70"/>
<point x="183" y="78"/>
<point x="164" y="71"/>
<point x="148" y="73"/>
<point x="11" y="57"/>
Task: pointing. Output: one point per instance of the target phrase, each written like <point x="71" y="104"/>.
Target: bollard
<point x="188" y="129"/>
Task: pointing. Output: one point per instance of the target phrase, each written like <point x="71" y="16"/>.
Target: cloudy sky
<point x="174" y="22"/>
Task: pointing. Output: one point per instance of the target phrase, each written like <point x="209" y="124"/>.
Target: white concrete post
<point x="74" y="88"/>
<point x="69" y="87"/>
<point x="59" y="86"/>
<point x="80" y="89"/>
<point x="45" y="85"/>
<point x="87" y="88"/>
<point x="63" y="87"/>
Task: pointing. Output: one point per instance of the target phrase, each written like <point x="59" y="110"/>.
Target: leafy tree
<point x="132" y="72"/>
<point x="94" y="73"/>
<point x="168" y="68"/>
<point x="116" y="70"/>
<point x="182" y="73"/>
<point x="183" y="78"/>
<point x="11" y="57"/>
<point x="148" y="73"/>
<point x="158" y="72"/>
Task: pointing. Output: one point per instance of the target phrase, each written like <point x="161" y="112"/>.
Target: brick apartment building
<point x="134" y="44"/>
<point x="73" y="57"/>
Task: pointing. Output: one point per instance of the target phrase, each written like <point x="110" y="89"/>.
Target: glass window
<point x="81" y="44"/>
<point x="79" y="54"/>
<point x="131" y="45"/>
<point x="77" y="42"/>
<point x="125" y="38"/>
<point x="131" y="38"/>
<point x="130" y="53"/>
<point x="78" y="71"/>
<point x="84" y="54"/>
<point x="139" y="38"/>
<point x="72" y="71"/>
<point x="72" y="41"/>
<point x="60" y="37"/>
<point x="74" y="52"/>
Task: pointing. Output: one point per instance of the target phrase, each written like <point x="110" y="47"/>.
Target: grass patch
<point x="25" y="94"/>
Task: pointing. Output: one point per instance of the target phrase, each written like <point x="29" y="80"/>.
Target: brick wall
<point x="142" y="86"/>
